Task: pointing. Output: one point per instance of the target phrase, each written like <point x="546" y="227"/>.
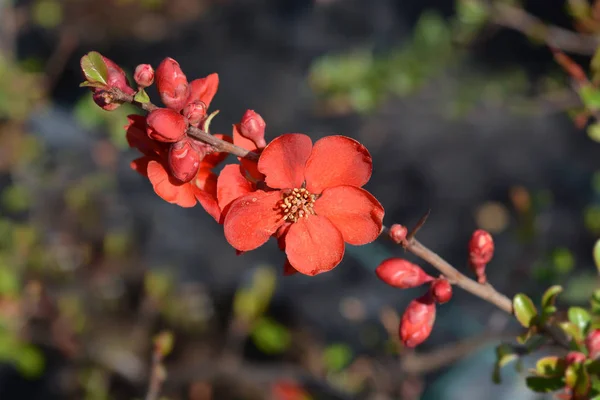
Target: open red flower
<point x="314" y="195"/>
<point x="154" y="165"/>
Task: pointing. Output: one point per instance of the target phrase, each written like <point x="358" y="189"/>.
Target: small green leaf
<point x="570" y="329"/>
<point x="141" y="97"/>
<point x="597" y="254"/>
<point x="549" y="297"/>
<point x="94" y="68"/>
<point x="581" y="318"/>
<point x="505" y="353"/>
<point x="524" y="310"/>
<point x="541" y="384"/>
<point x="336" y="357"/>
<point x="534" y="342"/>
<point x="590" y="97"/>
<point x="595" y="302"/>
<point x="270" y="336"/>
<point x="550" y="366"/>
<point x="577" y="379"/>
<point x="30" y="361"/>
<point x="164" y="342"/>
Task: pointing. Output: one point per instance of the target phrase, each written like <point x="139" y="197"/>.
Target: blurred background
<point x="463" y="109"/>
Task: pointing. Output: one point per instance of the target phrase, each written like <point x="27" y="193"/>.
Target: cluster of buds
<point x="418" y="318"/>
<point x="172" y="158"/>
<point x="481" y="251"/>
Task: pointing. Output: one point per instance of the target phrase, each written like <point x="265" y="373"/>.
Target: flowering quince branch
<point x="310" y="198"/>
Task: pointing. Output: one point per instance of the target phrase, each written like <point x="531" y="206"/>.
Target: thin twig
<point x="157" y="376"/>
<point x="519" y="20"/>
<point x="219" y="145"/>
<point x="486" y="292"/>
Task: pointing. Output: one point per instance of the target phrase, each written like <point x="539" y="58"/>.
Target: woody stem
<point x="219" y="145"/>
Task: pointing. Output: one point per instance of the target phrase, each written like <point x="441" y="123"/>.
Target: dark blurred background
<point x="462" y="116"/>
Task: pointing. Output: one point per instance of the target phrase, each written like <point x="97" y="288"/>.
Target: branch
<point x="486" y="292"/>
<point x="219" y="145"/>
<point x="519" y="20"/>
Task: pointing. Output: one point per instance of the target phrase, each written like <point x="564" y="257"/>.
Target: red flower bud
<point x="592" y="342"/>
<point x="116" y="77"/>
<point x="481" y="247"/>
<point x="398" y="233"/>
<point x="102" y="99"/>
<point x="441" y="290"/>
<point x="253" y="127"/>
<point x="144" y="75"/>
<point x="166" y="125"/>
<point x="195" y="112"/>
<point x="401" y="273"/>
<point x="574" y="357"/>
<point x="481" y="251"/>
<point x="172" y="84"/>
<point x="417" y="321"/>
<point x="184" y="160"/>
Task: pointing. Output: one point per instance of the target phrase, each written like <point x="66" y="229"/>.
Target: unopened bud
<point x="481" y="247"/>
<point x="103" y="99"/>
<point x="144" y="75"/>
<point x="441" y="290"/>
<point x="398" y="233"/>
<point x="400" y="273"/>
<point x="172" y="84"/>
<point x="253" y="127"/>
<point x="195" y="112"/>
<point x="417" y="321"/>
<point x="592" y="343"/>
<point x="481" y="251"/>
<point x="184" y="160"/>
<point x="573" y="357"/>
<point x="116" y="77"/>
<point x="166" y="125"/>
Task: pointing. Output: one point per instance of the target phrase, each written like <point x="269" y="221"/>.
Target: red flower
<point x="313" y="193"/>
<point x="154" y="164"/>
<point x="401" y="273"/>
<point x="172" y="84"/>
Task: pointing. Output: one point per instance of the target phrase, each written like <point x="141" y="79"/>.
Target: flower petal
<point x="209" y="203"/>
<point x="206" y="180"/>
<point x="354" y="211"/>
<point x="284" y="159"/>
<point x="140" y="165"/>
<point x="168" y="188"/>
<point x="204" y="89"/>
<point x="252" y="219"/>
<point x="288" y="269"/>
<point x="314" y="245"/>
<point x="231" y="185"/>
<point x="337" y="160"/>
<point x="280" y="235"/>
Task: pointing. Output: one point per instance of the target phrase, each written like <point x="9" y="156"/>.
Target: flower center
<point x="297" y="203"/>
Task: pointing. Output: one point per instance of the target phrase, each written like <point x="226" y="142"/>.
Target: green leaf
<point x="541" y="384"/>
<point x="505" y="353"/>
<point x="595" y="302"/>
<point x="336" y="357"/>
<point x="597" y="254"/>
<point x="581" y="318"/>
<point x="270" y="336"/>
<point x="30" y="361"/>
<point x="590" y="97"/>
<point x="570" y="329"/>
<point x="550" y="366"/>
<point x="524" y="310"/>
<point x="577" y="379"/>
<point x="141" y="97"/>
<point x="251" y="301"/>
<point x="47" y="13"/>
<point x="94" y="68"/>
<point x="563" y="260"/>
<point x="549" y="297"/>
